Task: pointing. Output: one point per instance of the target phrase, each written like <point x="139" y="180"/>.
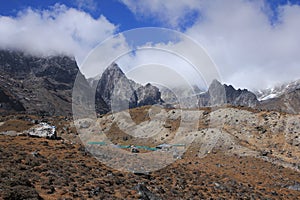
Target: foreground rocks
<point x="61" y="170"/>
<point x="43" y="130"/>
<point x="256" y="156"/>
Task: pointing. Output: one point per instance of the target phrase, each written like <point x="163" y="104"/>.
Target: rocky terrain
<point x="171" y="95"/>
<point x="229" y="145"/>
<point x="115" y="88"/>
<point x="38" y="85"/>
<point x="43" y="85"/>
<point x="282" y="98"/>
<point x="277" y="90"/>
<point x="288" y="102"/>
<point x="219" y="94"/>
<point x="255" y="156"/>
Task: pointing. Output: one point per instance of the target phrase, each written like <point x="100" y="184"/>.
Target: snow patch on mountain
<point x="277" y="91"/>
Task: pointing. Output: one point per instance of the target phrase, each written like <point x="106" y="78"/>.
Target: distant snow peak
<point x="277" y="91"/>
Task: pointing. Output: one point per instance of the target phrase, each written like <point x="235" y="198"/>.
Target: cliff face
<point x="9" y="103"/>
<point x="288" y="102"/>
<point x="120" y="93"/>
<point x="282" y="98"/>
<point x="148" y="95"/>
<point x="43" y="85"/>
<point x="219" y="94"/>
<point x="115" y="88"/>
<point x="40" y="85"/>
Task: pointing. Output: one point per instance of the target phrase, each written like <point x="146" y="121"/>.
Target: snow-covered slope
<point x="277" y="90"/>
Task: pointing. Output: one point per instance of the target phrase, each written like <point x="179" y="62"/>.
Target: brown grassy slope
<point x="57" y="170"/>
<point x="61" y="169"/>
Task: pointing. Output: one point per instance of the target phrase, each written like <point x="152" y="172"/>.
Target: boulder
<point x="42" y="130"/>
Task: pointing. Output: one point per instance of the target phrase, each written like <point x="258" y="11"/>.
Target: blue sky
<point x="116" y="12"/>
<point x="247" y="39"/>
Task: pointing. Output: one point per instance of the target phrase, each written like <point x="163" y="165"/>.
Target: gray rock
<point x="185" y="97"/>
<point x="145" y="193"/>
<point x="219" y="94"/>
<point x="148" y="95"/>
<point x="288" y="102"/>
<point x="114" y="87"/>
<point x="39" y="85"/>
<point x="295" y="187"/>
<point x="42" y="130"/>
<point x="9" y="133"/>
<point x="120" y="93"/>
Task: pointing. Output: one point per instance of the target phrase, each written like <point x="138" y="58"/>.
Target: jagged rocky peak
<point x="221" y="94"/>
<point x="216" y="93"/>
<point x="283" y="98"/>
<point x="148" y="95"/>
<point x="113" y="70"/>
<point x="39" y="84"/>
<point x="215" y="84"/>
<point x="22" y="65"/>
<point x="287" y="102"/>
<point x="115" y="88"/>
<point x="114" y="85"/>
<point x="277" y="90"/>
<point x="115" y="67"/>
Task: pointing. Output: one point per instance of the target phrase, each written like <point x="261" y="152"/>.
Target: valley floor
<point x="35" y="168"/>
<point x="40" y="168"/>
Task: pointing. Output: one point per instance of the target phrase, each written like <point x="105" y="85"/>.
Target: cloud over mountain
<point x="56" y="30"/>
<point x="251" y="47"/>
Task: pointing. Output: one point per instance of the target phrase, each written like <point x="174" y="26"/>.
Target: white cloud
<point x="171" y="64"/>
<point x="103" y="55"/>
<point x="248" y="50"/>
<point x="87" y="4"/>
<point x="172" y="12"/>
<point x="58" y="30"/>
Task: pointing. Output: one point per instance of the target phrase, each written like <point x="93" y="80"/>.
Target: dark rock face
<point x="288" y="102"/>
<point x="148" y="95"/>
<point x="9" y="103"/>
<point x="41" y="85"/>
<point x="247" y="99"/>
<point x="181" y="96"/>
<point x="116" y="89"/>
<point x="219" y="94"/>
<point x="120" y="93"/>
<point x="282" y="98"/>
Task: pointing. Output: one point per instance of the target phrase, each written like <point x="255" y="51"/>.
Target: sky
<point x="253" y="44"/>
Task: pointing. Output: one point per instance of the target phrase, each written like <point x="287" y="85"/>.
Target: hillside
<point x="256" y="156"/>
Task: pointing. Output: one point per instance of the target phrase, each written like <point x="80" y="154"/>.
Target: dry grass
<point x="15" y="125"/>
<point x="61" y="170"/>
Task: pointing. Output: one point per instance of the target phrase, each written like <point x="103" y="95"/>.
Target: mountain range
<point x="219" y="94"/>
<point x="122" y="93"/>
<point x="277" y="90"/>
<point x="43" y="85"/>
